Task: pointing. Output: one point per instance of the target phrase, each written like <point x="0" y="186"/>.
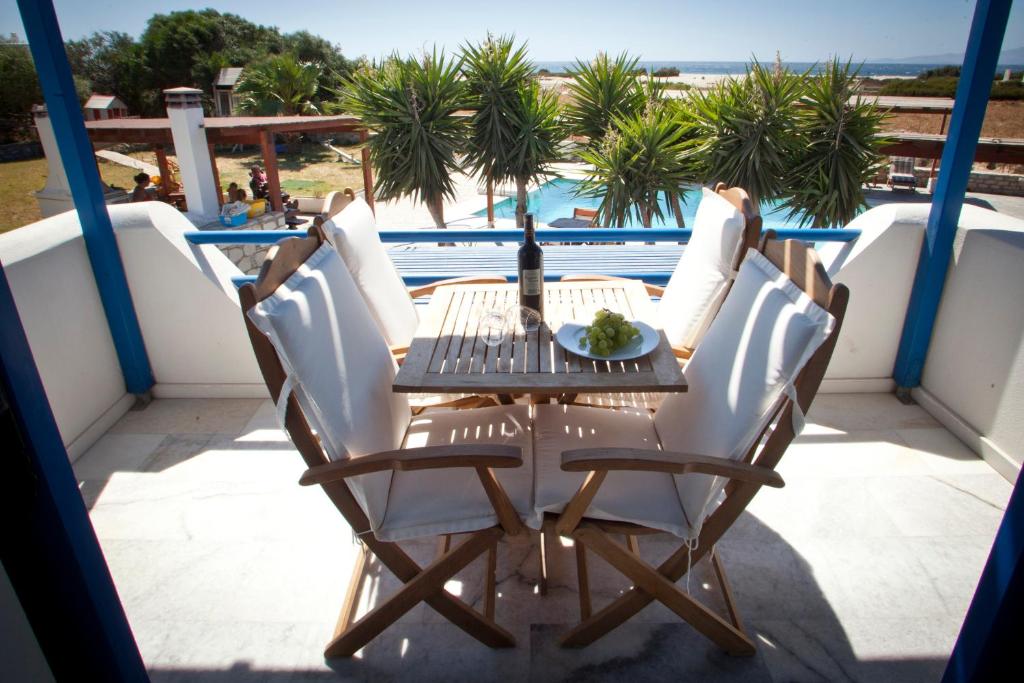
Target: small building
<point x="102" y="107"/>
<point x="225" y="101"/>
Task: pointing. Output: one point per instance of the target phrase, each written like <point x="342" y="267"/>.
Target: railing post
<point x="972" y="95"/>
<point x="54" y="72"/>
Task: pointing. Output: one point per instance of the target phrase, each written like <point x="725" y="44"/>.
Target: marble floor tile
<point x="189" y="416"/>
<point x="860" y="569"/>
<point x="859" y="412"/>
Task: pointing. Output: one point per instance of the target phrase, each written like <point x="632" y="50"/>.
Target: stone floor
<point x="860" y="569"/>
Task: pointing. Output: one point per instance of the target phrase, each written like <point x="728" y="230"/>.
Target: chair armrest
<point x="398" y="352"/>
<point x="643" y="460"/>
<point x="468" y="280"/>
<point x="652" y="290"/>
<point x="411" y="459"/>
<point x="682" y="352"/>
<point x="584" y="277"/>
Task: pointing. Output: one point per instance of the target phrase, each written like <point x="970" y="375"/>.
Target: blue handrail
<point x="602" y="235"/>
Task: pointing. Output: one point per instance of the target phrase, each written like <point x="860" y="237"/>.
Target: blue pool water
<point x="555" y="200"/>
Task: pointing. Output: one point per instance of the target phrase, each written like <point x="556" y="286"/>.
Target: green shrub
<point x="945" y="86"/>
<point x="666" y="71"/>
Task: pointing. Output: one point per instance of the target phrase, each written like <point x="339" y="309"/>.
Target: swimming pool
<point x="555" y="200"/>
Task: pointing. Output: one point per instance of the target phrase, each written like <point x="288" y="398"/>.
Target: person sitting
<point x="239" y="205"/>
<point x="233" y="192"/>
<point x="258" y="184"/>
<point x="142" y="191"/>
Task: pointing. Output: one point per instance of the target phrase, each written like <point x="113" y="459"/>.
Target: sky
<point x="656" y="30"/>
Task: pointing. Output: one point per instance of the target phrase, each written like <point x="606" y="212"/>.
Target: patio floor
<point x="860" y="569"/>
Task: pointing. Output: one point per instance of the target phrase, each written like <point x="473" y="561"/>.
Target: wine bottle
<point x="531" y="269"/>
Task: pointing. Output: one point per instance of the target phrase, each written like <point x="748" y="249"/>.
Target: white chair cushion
<point x="342" y="380"/>
<point x="354" y="233"/>
<point x="647" y="498"/>
<point x="698" y="285"/>
<point x="765" y="333"/>
<point x="432" y="502"/>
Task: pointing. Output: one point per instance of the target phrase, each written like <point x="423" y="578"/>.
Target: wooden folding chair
<point x="745" y="478"/>
<point x="422" y="584"/>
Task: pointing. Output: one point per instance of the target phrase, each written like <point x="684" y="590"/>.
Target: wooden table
<point x="448" y="355"/>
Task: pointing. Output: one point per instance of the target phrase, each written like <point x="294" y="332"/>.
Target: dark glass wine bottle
<point x="531" y="269"/>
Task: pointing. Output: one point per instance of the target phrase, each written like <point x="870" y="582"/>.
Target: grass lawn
<point x="312" y="171"/>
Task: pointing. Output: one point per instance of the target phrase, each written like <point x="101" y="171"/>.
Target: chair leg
<point x="424" y="584"/>
<point x="490" y="584"/>
<point x="355" y="585"/>
<point x="444" y="542"/>
<point x="631" y="543"/>
<point x="723" y="585"/>
<point x="547" y="532"/>
<point x="647" y="579"/>
<point x="582" y="579"/>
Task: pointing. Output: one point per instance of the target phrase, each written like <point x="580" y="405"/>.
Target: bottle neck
<point x="529" y="233"/>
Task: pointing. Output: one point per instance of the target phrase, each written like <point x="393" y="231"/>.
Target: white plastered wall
<point x="973" y="380"/>
<point x="185" y="301"/>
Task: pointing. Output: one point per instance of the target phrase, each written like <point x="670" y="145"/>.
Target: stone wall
<point x="987" y="182"/>
<point x="249" y="257"/>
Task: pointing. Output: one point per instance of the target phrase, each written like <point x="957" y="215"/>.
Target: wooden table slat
<point x="449" y="353"/>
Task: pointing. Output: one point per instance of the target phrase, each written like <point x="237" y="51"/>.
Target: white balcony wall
<point x="878" y="267"/>
<point x="186" y="304"/>
<point x="55" y="292"/>
<point x="187" y="307"/>
<point x="973" y="378"/>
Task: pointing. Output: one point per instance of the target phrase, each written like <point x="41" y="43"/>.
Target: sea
<point x="867" y="69"/>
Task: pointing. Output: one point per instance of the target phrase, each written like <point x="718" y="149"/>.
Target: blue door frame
<point x="47" y="46"/>
<point x="48" y="546"/>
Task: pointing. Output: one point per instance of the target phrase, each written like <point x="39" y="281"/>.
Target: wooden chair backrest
<point x="335" y="201"/>
<point x="281" y="263"/>
<point x="802" y="265"/>
<point x="752" y="222"/>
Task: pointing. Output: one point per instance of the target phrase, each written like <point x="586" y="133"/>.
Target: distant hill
<point x="1009" y="56"/>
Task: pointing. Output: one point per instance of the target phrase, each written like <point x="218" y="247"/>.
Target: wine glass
<point x="493" y="327"/>
<point x="524" y="318"/>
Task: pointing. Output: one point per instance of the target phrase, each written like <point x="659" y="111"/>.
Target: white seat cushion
<point x="432" y="502"/>
<point x="765" y="333"/>
<point x="354" y="233"/>
<point x="647" y="498"/>
<point x="698" y="285"/>
<point x="340" y="366"/>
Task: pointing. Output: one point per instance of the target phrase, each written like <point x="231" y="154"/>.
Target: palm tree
<point x="750" y="130"/>
<point x="279" y="85"/>
<point x="642" y="158"/>
<point x="514" y="130"/>
<point x="842" y="149"/>
<point x="602" y="90"/>
<point x="411" y="104"/>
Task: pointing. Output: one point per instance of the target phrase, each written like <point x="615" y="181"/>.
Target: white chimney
<point x="185" y="111"/>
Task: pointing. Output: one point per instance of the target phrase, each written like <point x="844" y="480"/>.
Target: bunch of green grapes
<point x="609" y="332"/>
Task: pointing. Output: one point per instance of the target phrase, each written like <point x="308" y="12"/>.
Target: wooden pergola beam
<point x="270" y="165"/>
<point x="988" y="150"/>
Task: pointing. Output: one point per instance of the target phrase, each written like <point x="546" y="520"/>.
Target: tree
<point x="642" y="158"/>
<point x="19" y="90"/>
<point x="514" y="131"/>
<point x="113" y="63"/>
<point x="335" y="68"/>
<point x="279" y="85"/>
<point x="602" y="90"/>
<point x="411" y="104"/>
<point x="749" y="130"/>
<point x="841" y="149"/>
<point x="190" y="47"/>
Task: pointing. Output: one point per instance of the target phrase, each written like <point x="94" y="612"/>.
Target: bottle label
<point x="531" y="282"/>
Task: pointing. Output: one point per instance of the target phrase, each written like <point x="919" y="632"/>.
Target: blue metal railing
<point x="424" y="236"/>
<point x="433" y="236"/>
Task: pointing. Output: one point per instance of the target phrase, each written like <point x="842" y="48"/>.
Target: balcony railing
<point x="488" y="236"/>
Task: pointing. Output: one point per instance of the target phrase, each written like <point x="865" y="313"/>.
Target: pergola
<point x="232" y="130"/>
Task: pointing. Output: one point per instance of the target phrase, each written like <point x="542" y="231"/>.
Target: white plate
<point x="569" y="336"/>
